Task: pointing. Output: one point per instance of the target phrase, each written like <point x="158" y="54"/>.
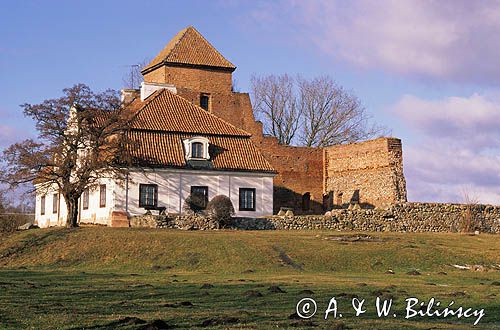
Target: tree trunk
<point x="72" y="206"/>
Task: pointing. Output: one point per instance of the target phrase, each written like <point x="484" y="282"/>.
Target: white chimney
<point x="128" y="95"/>
<point x="149" y="88"/>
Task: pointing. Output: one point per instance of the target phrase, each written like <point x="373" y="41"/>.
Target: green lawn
<point x="99" y="278"/>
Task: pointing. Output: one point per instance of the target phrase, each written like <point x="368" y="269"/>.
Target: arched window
<point x="197" y="150"/>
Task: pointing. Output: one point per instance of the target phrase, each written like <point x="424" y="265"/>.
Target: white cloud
<point x="460" y="148"/>
<point x="449" y="40"/>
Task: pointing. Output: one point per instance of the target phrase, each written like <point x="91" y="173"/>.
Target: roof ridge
<point x="208" y="42"/>
<point x="184" y="31"/>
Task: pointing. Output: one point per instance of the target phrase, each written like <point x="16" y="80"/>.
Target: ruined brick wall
<point x="370" y="172"/>
<point x="299" y="176"/>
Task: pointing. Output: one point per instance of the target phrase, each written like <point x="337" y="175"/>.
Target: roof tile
<point x="190" y="47"/>
<point x="165" y="149"/>
<point x="166" y="111"/>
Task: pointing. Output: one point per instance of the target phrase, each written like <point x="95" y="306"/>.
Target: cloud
<point x="445" y="40"/>
<point x="460" y="148"/>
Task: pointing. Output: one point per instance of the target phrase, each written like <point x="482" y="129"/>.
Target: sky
<point x="428" y="70"/>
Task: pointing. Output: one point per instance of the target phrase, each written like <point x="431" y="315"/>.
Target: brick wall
<point x="299" y="176"/>
<point x="330" y="176"/>
<point x="204" y="80"/>
<point x="370" y="172"/>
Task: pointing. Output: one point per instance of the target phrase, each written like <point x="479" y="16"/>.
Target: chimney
<point x="128" y="95"/>
<point x="148" y="88"/>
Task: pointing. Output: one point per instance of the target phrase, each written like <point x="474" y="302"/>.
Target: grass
<point x="94" y="278"/>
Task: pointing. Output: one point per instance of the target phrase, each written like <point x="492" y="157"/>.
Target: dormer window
<point x="196" y="148"/>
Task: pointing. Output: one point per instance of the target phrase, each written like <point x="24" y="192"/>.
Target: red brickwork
<point x="373" y="168"/>
<point x="330" y="176"/>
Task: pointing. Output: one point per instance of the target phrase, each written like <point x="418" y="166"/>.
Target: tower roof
<point x="189" y="47"/>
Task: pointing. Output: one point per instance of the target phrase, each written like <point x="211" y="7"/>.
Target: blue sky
<point x="426" y="70"/>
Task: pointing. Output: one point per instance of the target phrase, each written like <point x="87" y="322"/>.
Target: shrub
<point x="221" y="209"/>
<point x="194" y="204"/>
<point x="10" y="222"/>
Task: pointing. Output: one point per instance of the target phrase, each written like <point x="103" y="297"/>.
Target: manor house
<point x="197" y="135"/>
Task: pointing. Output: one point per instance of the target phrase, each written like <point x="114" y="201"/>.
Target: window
<point x="148" y="195"/>
<point x="306" y="201"/>
<point x="199" y="196"/>
<point x="55" y="203"/>
<point x="85" y="197"/>
<point x="197" y="150"/>
<point x="42" y="205"/>
<point x="102" y="195"/>
<point x="204" y="101"/>
<point x="247" y="199"/>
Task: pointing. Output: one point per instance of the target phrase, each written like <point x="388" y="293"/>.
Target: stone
<point x="27" y="226"/>
<point x="289" y="213"/>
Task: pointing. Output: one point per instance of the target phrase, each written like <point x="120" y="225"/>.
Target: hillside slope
<point x="237" y="251"/>
<point x="120" y="278"/>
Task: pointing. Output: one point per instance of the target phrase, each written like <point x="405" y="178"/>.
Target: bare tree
<point x="133" y="77"/>
<point x="276" y="104"/>
<point x="81" y="139"/>
<point x="318" y="110"/>
<point x="332" y="115"/>
<point x="470" y="214"/>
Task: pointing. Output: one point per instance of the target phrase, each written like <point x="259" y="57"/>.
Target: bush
<point x="221" y="209"/>
<point x="194" y="204"/>
<point x="10" y="222"/>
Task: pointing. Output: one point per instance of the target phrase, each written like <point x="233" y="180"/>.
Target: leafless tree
<point x="81" y="139"/>
<point x="133" y="77"/>
<point x="277" y="105"/>
<point x="469" y="217"/>
<point x="311" y="112"/>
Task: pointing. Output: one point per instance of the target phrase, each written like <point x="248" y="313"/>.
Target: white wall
<point x="174" y="186"/>
<point x="95" y="214"/>
<point x="49" y="218"/>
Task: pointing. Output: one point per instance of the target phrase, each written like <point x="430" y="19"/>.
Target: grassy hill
<point x="97" y="277"/>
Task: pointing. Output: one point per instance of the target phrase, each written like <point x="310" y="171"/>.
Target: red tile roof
<point x="166" y="111"/>
<point x="189" y="47"/>
<point x="165" y="119"/>
<point x="165" y="149"/>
